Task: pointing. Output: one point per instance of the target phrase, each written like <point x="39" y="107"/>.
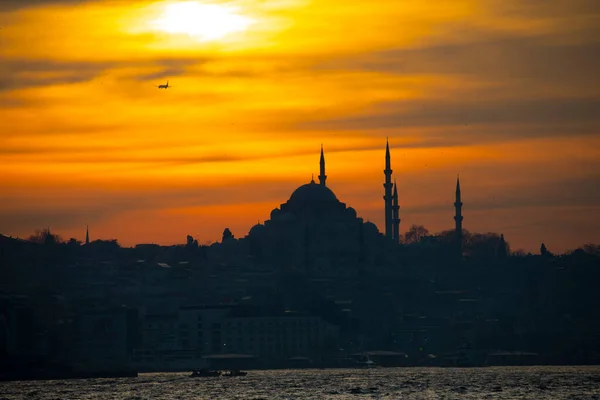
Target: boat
<point x="205" y="373"/>
<point x="235" y="372"/>
<point x="364" y="361"/>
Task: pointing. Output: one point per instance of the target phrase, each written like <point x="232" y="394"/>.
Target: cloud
<point x="542" y="8"/>
<point x="70" y="207"/>
<point x="71" y="128"/>
<point x="9" y="102"/>
<point x="12" y="5"/>
<point x="581" y="191"/>
<point x="489" y="56"/>
<point x="57" y="219"/>
<point x="166" y="67"/>
<point x="21" y="74"/>
<point x="162" y="74"/>
<point x="82" y="153"/>
<point x="540" y="117"/>
<point x="27" y="73"/>
<point x="506" y="85"/>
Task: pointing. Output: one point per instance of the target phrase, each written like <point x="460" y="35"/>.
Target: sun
<point x="200" y="20"/>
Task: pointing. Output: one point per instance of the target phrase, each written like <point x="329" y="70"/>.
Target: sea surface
<point x="573" y="383"/>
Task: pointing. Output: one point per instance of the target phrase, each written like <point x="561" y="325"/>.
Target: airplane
<point x="164" y="86"/>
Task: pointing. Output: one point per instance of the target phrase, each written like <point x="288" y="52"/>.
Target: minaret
<point x="396" y="215"/>
<point x="458" y="218"/>
<point x="322" y="177"/>
<point x="87" y="235"/>
<point x="388" y="191"/>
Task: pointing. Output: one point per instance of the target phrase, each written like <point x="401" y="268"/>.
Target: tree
<point x="227" y="235"/>
<point x="592" y="249"/>
<point x="448" y="237"/>
<point x="191" y="243"/>
<point x="543" y="250"/>
<point x="73" y="242"/>
<point x="519" y="253"/>
<point x="45" y="237"/>
<point x="486" y="245"/>
<point x="415" y="234"/>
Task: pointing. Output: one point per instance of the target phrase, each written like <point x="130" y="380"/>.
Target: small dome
<point x="371" y="227"/>
<point x="351" y="212"/>
<point x="312" y="193"/>
<point x="275" y="213"/>
<point x="257" y="230"/>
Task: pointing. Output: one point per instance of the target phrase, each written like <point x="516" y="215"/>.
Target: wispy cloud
<point x="22" y="74"/>
<point x="577" y="113"/>
<point x="12" y="5"/>
<point x="26" y="73"/>
<point x="510" y="60"/>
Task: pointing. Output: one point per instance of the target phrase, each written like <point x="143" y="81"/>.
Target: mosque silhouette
<point x="317" y="232"/>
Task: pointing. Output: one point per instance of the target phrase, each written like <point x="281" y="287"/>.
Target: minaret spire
<point x="387" y="154"/>
<point x="388" y="191"/>
<point x="458" y="218"/>
<point x="395" y="215"/>
<point x="322" y="176"/>
<point x="87" y="235"/>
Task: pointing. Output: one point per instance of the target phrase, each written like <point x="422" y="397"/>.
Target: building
<point x="316" y="233"/>
<point x="185" y="339"/>
<point x="104" y="339"/>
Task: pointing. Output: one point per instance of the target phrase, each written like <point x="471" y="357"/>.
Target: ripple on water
<point x="505" y="383"/>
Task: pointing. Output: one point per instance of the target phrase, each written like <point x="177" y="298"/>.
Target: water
<point x="573" y="383"/>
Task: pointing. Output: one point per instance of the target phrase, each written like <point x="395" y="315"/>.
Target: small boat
<point x="235" y="372"/>
<point x="366" y="362"/>
<point x="204" y="373"/>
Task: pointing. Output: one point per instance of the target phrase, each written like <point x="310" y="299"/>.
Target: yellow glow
<point x="202" y="21"/>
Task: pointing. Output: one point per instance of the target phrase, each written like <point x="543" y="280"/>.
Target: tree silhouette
<point x="448" y="237"/>
<point x="191" y="243"/>
<point x="415" y="234"/>
<point x="227" y="235"/>
<point x="544" y="251"/>
<point x="519" y="253"/>
<point x="44" y="236"/>
<point x="486" y="245"/>
<point x="592" y="249"/>
<point x="74" y="242"/>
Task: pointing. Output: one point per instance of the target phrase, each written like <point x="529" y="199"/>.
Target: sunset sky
<point x="505" y="93"/>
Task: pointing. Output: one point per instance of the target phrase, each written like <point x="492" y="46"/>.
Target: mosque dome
<point x="351" y="212"/>
<point x="369" y="226"/>
<point x="312" y="193"/>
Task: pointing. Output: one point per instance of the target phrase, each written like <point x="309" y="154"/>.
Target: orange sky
<point x="505" y="93"/>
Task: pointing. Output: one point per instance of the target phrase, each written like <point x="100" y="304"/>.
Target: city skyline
<point x="499" y="93"/>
